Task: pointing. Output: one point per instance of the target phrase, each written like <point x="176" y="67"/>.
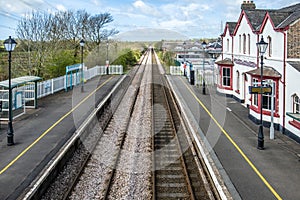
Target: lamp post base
<point x="10" y="140"/>
<point x="10" y="134"/>
<point x="260" y="139"/>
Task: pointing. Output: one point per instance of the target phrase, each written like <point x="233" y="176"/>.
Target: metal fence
<point x="208" y="74"/>
<point x="49" y="87"/>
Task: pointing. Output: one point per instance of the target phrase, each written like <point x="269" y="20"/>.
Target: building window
<point x="296" y="104"/>
<point x="267" y="101"/>
<point x="240" y="43"/>
<point x="227" y="45"/>
<point x="244" y="44"/>
<point x="269" y="46"/>
<point x="226" y="76"/>
<point x="249" y="42"/>
<point x="255" y="96"/>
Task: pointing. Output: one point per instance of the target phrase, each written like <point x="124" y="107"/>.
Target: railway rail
<point x="138" y="147"/>
<point x="176" y="174"/>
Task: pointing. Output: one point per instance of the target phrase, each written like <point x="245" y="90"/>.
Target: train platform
<point x="41" y="132"/>
<point x="249" y="173"/>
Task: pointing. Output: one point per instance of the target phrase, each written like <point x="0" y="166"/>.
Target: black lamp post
<point x="203" y="77"/>
<point x="262" y="47"/>
<point x="107" y="61"/>
<point x="82" y="76"/>
<point x="10" y="45"/>
<point x="184" y="71"/>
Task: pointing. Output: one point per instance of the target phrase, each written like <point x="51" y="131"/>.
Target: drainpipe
<point x="284" y="78"/>
<point x="232" y="43"/>
<point x="257" y="56"/>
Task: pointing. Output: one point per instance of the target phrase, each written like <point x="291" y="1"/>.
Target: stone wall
<point x="293" y="38"/>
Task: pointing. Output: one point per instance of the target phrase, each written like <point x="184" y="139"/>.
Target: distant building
<point x="239" y="64"/>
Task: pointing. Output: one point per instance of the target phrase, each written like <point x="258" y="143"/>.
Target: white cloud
<point x="61" y="7"/>
<point x="146" y="9"/>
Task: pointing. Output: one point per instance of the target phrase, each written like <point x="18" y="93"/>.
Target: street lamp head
<point x="81" y="42"/>
<point x="10" y="44"/>
<point x="262" y="46"/>
<point x="203" y="44"/>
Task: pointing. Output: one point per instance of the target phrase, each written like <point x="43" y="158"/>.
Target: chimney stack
<point x="248" y="5"/>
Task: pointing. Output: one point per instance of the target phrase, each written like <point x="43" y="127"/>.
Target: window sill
<point x="295" y="124"/>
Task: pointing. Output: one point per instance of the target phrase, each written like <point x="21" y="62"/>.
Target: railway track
<point x="140" y="151"/>
<point x="96" y="150"/>
<point x="176" y="173"/>
<point x="96" y="177"/>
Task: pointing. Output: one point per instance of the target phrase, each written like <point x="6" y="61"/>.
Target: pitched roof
<point x="267" y="71"/>
<point x="292" y="8"/>
<point x="226" y="61"/>
<point x="281" y="18"/>
<point x="285" y="16"/>
<point x="231" y="27"/>
<point x="289" y="20"/>
<point x="295" y="64"/>
<point x="255" y="17"/>
<point x="278" y="17"/>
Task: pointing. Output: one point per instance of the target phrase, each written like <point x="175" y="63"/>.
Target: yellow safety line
<point x="49" y="129"/>
<point x="235" y="145"/>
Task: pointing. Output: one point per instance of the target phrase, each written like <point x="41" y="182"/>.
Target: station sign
<point x="73" y="67"/>
<point x="259" y="90"/>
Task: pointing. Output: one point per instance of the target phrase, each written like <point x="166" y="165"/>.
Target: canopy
<point x="20" y="81"/>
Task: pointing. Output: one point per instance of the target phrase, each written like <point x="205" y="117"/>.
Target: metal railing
<point x="51" y="86"/>
<point x="208" y="75"/>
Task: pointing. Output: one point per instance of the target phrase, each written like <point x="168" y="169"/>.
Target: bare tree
<point x="96" y="28"/>
<point x="46" y="35"/>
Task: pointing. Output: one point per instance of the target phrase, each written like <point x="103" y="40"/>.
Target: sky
<point x="143" y="19"/>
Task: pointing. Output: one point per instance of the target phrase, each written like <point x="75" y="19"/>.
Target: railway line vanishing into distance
<point x="134" y="145"/>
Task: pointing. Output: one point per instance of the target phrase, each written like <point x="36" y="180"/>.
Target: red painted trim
<point x="232" y="47"/>
<point x="265" y="112"/>
<point x="266" y="18"/>
<point x="220" y="85"/>
<point x="284" y="77"/>
<point x="239" y="22"/>
<point x="257" y="53"/>
<point x="257" y="108"/>
<point x="295" y="124"/>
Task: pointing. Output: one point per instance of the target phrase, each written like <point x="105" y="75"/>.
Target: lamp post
<point x="10" y="45"/>
<point x="203" y="77"/>
<point x="184" y="52"/>
<point x="82" y="77"/>
<point x="107" y="61"/>
<point x="262" y="47"/>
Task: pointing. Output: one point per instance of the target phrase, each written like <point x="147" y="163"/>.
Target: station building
<point x="239" y="64"/>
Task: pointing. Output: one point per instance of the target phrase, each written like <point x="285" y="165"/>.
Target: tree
<point x="44" y="35"/>
<point x="96" y="31"/>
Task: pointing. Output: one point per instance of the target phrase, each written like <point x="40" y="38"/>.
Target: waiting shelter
<point x="24" y="95"/>
<point x="73" y="72"/>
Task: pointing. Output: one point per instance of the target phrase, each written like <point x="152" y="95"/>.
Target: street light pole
<point x="82" y="75"/>
<point x="262" y="46"/>
<point x="203" y="77"/>
<point x="107" y="61"/>
<point x="10" y="45"/>
<point x="184" y="53"/>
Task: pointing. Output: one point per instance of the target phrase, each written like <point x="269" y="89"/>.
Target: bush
<point x="127" y="59"/>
